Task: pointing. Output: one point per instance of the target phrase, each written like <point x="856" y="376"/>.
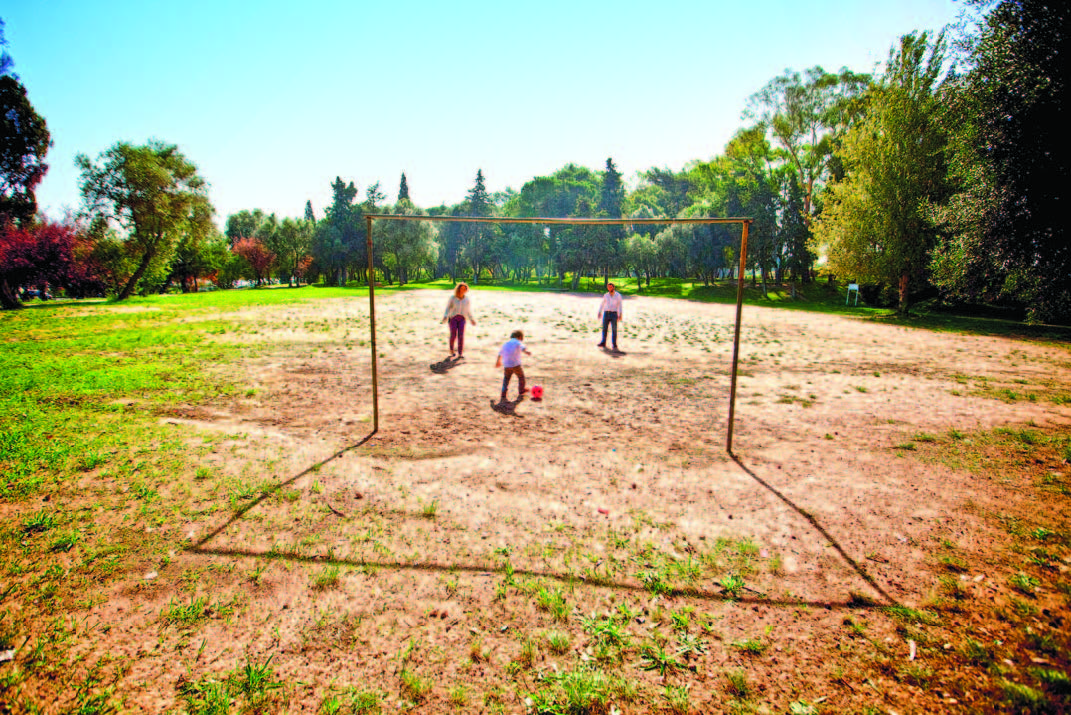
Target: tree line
<point x="938" y="177"/>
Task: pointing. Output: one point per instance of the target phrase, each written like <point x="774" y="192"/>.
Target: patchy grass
<point x="623" y="612"/>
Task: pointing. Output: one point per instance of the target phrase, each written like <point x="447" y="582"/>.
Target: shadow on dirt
<point x="854" y="603"/>
<point x="821" y="530"/>
<point x="269" y="493"/>
<point x="446" y="365"/>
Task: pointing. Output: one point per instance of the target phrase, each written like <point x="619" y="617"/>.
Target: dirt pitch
<point x="471" y="559"/>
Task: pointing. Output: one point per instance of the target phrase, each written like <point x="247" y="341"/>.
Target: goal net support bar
<point x="744" y="222"/>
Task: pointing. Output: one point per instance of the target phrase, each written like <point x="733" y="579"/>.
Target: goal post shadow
<point x="743" y="221"/>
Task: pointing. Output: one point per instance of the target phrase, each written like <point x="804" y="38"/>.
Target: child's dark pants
<point x="457" y="330"/>
<point x="509" y="372"/>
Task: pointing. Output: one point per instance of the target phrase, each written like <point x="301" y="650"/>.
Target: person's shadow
<point x="507" y="407"/>
<point x="444" y="366"/>
<point x="614" y="352"/>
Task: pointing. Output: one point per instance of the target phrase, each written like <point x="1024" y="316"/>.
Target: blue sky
<point x="272" y="100"/>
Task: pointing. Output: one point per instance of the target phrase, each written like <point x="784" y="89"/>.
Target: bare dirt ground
<point x="439" y="562"/>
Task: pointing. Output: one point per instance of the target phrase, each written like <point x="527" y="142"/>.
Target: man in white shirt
<point x="610" y="311"/>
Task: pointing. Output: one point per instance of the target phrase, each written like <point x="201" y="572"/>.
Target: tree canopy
<point x="874" y="224"/>
<point x="151" y="191"/>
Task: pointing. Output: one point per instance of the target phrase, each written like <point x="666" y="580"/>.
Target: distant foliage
<point x="1006" y="224"/>
<point x="50" y="256"/>
<point x="874" y="225"/>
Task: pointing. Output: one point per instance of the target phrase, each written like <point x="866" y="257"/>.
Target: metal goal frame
<point x="744" y="222"/>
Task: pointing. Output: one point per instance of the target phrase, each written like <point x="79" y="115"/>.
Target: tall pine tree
<point x="479" y="204"/>
<point x="403" y="190"/>
<point x="611" y="199"/>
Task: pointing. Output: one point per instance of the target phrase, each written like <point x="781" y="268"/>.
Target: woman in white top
<point x="457" y="310"/>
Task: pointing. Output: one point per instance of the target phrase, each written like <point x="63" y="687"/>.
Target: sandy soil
<point x="422" y="515"/>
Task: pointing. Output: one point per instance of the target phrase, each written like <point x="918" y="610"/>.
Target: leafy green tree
<point x="268" y="233"/>
<point x="373" y="197"/>
<point x="24" y="142"/>
<point x="310" y="216"/>
<point x="669" y="191"/>
<point x="243" y="224"/>
<point x="874" y="225"/>
<point x="6" y="63"/>
<point x="228" y="266"/>
<point x="1009" y="161"/>
<point x="151" y="191"/>
<point x="194" y="258"/>
<point x="611" y="205"/>
<point x="291" y="243"/>
<point x="558" y="196"/>
<point x="807" y="115"/>
<point x="576" y="244"/>
<point x="403" y="189"/>
<point x="477" y="203"/>
<point x="793" y="232"/>
<point x="641" y="254"/>
<point x="337" y="242"/>
<point x="405" y="248"/>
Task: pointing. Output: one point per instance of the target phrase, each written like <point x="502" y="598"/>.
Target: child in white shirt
<point x="509" y="358"/>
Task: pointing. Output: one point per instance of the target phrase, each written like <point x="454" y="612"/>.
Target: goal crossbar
<point x="743" y="221"/>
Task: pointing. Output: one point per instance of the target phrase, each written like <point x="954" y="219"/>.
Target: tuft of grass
<point x="732" y="585"/>
<point x="327" y="577"/>
<point x="951" y="587"/>
<point x="177" y="613"/>
<point x="66" y="540"/>
<point x="655" y="582"/>
<point x="1023" y="583"/>
<point x="751" y="646"/>
<point x="414" y="686"/>
<point x="582" y="690"/>
<point x="558" y="642"/>
<point x="553" y="602"/>
<point x="677" y="699"/>
<point x="653" y="656"/>
<point x="38" y="522"/>
<point x="1042" y="534"/>
<point x="977" y="652"/>
<point x="430" y="510"/>
<point x="801" y="707"/>
<point x="1058" y="681"/>
<point x="255" y="680"/>
<point x="916" y="674"/>
<point x="953" y="563"/>
<point x="737" y="684"/>
<point x="1025" y="699"/>
<point x="904" y="614"/>
<point x="206" y="696"/>
<point x="459" y="695"/>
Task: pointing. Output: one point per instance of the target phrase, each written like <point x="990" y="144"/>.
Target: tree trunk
<point x="902" y="308"/>
<point x="128" y="289"/>
<point x="8" y="299"/>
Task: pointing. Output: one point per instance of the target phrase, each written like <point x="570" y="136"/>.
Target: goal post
<point x="744" y="222"/>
